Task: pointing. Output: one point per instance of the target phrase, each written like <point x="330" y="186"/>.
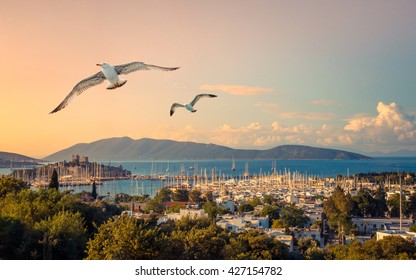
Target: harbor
<point x="241" y="178"/>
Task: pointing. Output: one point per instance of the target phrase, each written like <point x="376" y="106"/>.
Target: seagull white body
<point x="190" y="106"/>
<point x="111" y="74"/>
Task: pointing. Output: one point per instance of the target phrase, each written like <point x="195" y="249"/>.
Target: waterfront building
<point x="279" y="234"/>
<point x="402" y="233"/>
<point x="372" y="225"/>
<point x="240" y="223"/>
<point x="191" y="213"/>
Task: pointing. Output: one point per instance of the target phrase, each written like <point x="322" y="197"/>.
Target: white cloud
<point x="390" y="129"/>
<point x="391" y="125"/>
<point x="314" y="116"/>
<point x="236" y="89"/>
<point x="322" y="102"/>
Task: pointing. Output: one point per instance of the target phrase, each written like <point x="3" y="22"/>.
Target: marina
<point x="250" y="177"/>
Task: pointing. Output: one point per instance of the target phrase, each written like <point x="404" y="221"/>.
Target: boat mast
<point x="400" y="196"/>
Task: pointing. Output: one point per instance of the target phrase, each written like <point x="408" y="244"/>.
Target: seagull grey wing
<point x="201" y="95"/>
<point x="136" y="66"/>
<point x="79" y="88"/>
<point x="174" y="106"/>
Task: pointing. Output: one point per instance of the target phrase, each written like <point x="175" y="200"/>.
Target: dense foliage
<point x="50" y="224"/>
<point x="187" y="239"/>
<point x="47" y="223"/>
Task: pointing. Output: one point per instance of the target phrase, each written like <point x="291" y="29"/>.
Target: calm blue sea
<point x="320" y="168"/>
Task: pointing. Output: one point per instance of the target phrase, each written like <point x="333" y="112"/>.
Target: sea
<point x="223" y="169"/>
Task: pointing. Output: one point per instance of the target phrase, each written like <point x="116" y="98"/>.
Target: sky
<point x="333" y="74"/>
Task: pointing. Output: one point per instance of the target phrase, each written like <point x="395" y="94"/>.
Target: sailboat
<point x="233" y="165"/>
<point x="246" y="172"/>
<point x="273" y="166"/>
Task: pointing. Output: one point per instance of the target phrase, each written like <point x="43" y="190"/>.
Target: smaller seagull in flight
<point x="190" y="106"/>
<point x="109" y="73"/>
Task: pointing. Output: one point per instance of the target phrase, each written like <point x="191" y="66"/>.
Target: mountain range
<point x="127" y="149"/>
<point x="15" y="160"/>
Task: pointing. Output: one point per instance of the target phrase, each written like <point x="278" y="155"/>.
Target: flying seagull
<point x="109" y="73"/>
<point x="191" y="105"/>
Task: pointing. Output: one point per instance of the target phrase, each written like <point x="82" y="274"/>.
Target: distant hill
<point x="125" y="148"/>
<point x="16" y="160"/>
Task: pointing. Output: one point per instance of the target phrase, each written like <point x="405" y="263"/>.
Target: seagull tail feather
<point x="117" y="84"/>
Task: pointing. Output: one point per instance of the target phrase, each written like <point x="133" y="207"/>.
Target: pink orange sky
<point x="336" y="74"/>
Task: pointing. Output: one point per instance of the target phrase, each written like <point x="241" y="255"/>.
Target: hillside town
<point x="294" y="215"/>
<point x="309" y="196"/>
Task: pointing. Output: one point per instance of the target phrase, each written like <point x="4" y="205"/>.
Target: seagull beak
<point x="98" y="64"/>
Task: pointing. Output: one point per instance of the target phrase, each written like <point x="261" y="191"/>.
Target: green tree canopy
<point x="245" y="207"/>
<point x="64" y="236"/>
<point x="125" y="238"/>
<point x="94" y="190"/>
<point x="54" y="183"/>
<point x="180" y="195"/>
<point x="394" y="205"/>
<point x="11" y="238"/>
<point x="157" y="203"/>
<point x="293" y="216"/>
<point x="49" y="224"/>
<point x="388" y="248"/>
<point x="10" y="184"/>
<point x="252" y="245"/>
<point x="364" y="204"/>
<point x="272" y="211"/>
<point x="195" y="196"/>
<point x="338" y="209"/>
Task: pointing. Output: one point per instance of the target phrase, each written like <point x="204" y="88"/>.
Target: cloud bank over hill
<point x="390" y="129"/>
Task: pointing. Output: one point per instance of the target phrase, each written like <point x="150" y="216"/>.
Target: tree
<point x="208" y="196"/>
<point x="381" y="202"/>
<point x="388" y="248"/>
<point x="364" y="204"/>
<point x="268" y="199"/>
<point x="394" y="205"/>
<point x="309" y="248"/>
<point x="11" y="184"/>
<point x="213" y="210"/>
<point x="279" y="224"/>
<point x="54" y="183"/>
<point x="157" y="203"/>
<point x="338" y="209"/>
<point x="412" y="202"/>
<point x="272" y="211"/>
<point x="64" y="236"/>
<point x="180" y="195"/>
<point x="293" y="216"/>
<point x="94" y="190"/>
<point x="125" y="238"/>
<point x="245" y="207"/>
<point x="44" y="223"/>
<point x="195" y="196"/>
<point x="11" y="237"/>
<point x="252" y="245"/>
<point x="205" y="244"/>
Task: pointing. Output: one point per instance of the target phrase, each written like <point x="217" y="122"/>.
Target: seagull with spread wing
<point x="109" y="73"/>
<point x="190" y="106"/>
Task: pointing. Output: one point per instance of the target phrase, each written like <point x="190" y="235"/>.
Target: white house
<point x="238" y="223"/>
<point x="281" y="236"/>
<point x="402" y="233"/>
<point x="192" y="213"/>
<point x="372" y="225"/>
<point x="228" y="204"/>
